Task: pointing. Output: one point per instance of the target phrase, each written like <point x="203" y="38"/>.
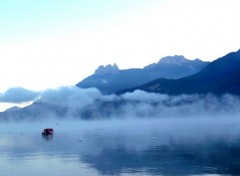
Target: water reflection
<point x="48" y="137"/>
<point x="169" y="160"/>
<point x="125" y="151"/>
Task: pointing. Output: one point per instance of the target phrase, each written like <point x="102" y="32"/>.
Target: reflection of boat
<point x="48" y="137"/>
<point x="47" y="131"/>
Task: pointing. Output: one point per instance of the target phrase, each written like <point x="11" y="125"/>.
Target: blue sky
<point x="50" y="43"/>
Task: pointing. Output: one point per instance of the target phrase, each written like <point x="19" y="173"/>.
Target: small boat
<point x="47" y="131"/>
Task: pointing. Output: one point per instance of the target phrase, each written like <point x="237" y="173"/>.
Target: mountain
<point x="110" y="79"/>
<point x="12" y="109"/>
<point x="218" y="77"/>
<point x="35" y="111"/>
<point x="42" y="111"/>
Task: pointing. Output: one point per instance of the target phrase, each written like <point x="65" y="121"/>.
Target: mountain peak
<point x="107" y="69"/>
<point x="14" y="108"/>
<point x="218" y="77"/>
<point x="176" y="59"/>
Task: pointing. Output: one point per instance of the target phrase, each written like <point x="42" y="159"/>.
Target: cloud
<point x="143" y="104"/>
<point x="91" y="104"/>
<point x="75" y="103"/>
<point x="70" y="96"/>
<point x="139" y="95"/>
<point x="18" y="95"/>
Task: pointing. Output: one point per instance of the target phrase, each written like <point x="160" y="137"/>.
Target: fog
<point x="139" y="131"/>
<point x="147" y="115"/>
<point x="173" y="119"/>
<point x="134" y="133"/>
<point x="72" y="103"/>
<point x="91" y="104"/>
<point x="18" y="95"/>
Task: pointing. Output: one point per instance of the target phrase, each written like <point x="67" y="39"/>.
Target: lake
<point x="121" y="147"/>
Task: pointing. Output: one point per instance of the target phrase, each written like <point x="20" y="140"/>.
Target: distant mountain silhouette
<point x="13" y="109"/>
<point x="41" y="111"/>
<point x="218" y="77"/>
<point x="34" y="112"/>
<point x="110" y="79"/>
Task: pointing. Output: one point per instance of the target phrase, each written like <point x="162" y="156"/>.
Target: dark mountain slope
<point x="109" y="79"/>
<point x="220" y="76"/>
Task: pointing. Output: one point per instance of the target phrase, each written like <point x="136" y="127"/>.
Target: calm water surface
<point x="120" y="148"/>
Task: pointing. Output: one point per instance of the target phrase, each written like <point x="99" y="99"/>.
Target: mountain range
<point x="218" y="77"/>
<point x="110" y="79"/>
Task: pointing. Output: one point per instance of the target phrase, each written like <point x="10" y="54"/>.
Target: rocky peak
<point x="107" y="69"/>
<point x="177" y="60"/>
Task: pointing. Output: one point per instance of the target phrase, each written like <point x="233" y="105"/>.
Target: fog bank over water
<point x="91" y="104"/>
<point x="71" y="103"/>
<point x="162" y="131"/>
<point x="186" y="146"/>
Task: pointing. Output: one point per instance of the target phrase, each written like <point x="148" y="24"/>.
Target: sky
<point x="51" y="43"/>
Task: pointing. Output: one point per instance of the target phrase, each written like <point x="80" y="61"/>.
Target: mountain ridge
<point x="220" y="76"/>
<point x="110" y="79"/>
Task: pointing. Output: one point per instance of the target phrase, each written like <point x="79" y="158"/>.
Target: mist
<point x="91" y="104"/>
<point x="18" y="95"/>
<point x="134" y="131"/>
<point x="180" y="117"/>
<point x="72" y="103"/>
